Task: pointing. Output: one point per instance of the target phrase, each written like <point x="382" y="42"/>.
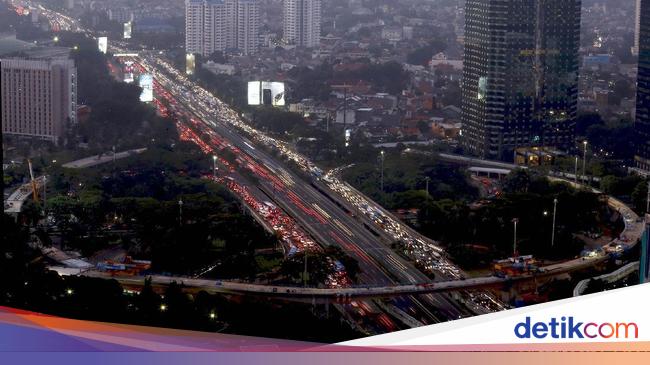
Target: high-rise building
<point x="120" y="15"/>
<point x="642" y="122"/>
<point x="302" y="22"/>
<point x="520" y="75"/>
<point x="39" y="97"/>
<point x="248" y="26"/>
<point x="219" y="25"/>
<point x="637" y="27"/>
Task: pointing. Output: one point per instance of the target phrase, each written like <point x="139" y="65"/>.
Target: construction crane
<point x="34" y="185"/>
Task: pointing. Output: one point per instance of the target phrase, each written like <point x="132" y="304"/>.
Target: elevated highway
<point x="310" y="294"/>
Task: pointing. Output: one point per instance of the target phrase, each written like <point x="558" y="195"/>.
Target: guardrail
<point x="614" y="276"/>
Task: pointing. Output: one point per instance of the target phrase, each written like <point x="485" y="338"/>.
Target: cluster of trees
<point x="276" y="120"/>
<point x="477" y="234"/>
<point x="319" y="266"/>
<point x="615" y="139"/>
<point x="231" y="89"/>
<point x="630" y="188"/>
<point x="142" y="197"/>
<point x="422" y="56"/>
<point x="389" y="77"/>
<point x="311" y="83"/>
<point x="405" y="180"/>
<point x="117" y="118"/>
<point x="27" y="284"/>
<point x="316" y="83"/>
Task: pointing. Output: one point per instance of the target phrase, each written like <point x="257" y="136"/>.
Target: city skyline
<point x="231" y="168"/>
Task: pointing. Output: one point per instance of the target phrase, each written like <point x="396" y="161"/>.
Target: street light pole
<point x="382" y="172"/>
<point x="575" y="172"/>
<point x="426" y="180"/>
<point x="45" y="198"/>
<point x="180" y="211"/>
<point x="647" y="204"/>
<point x="214" y="166"/>
<point x="584" y="161"/>
<point x="554" y="213"/>
<point x="514" y="246"/>
<point x="304" y="275"/>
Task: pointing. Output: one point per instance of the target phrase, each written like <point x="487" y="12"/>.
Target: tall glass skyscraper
<point x="644" y="264"/>
<point x="642" y="123"/>
<point x="520" y="76"/>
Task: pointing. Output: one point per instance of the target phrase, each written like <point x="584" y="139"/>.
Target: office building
<point x="38" y="97"/>
<point x="637" y="27"/>
<point x="302" y="22"/>
<point x="220" y="25"/>
<point x="642" y="122"/>
<point x="520" y="75"/>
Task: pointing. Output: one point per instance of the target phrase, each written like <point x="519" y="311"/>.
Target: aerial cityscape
<point x="321" y="170"/>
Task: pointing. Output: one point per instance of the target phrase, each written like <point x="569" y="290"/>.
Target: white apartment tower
<point x="248" y="26"/>
<point x="219" y="25"/>
<point x="302" y="22"/>
<point x="39" y="97"/>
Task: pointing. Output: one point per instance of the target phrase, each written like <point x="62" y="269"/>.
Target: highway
<point x="326" y="222"/>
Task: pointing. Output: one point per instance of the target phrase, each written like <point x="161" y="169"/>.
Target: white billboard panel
<point x="128" y="28"/>
<point x="254" y="93"/>
<point x="266" y="93"/>
<point x="190" y="63"/>
<point x="102" y="44"/>
<point x="277" y="92"/>
<point x="146" y="83"/>
<point x="128" y="72"/>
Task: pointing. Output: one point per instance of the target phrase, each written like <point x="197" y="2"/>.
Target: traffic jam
<point x="205" y="106"/>
<point x="425" y="253"/>
<point x="293" y="238"/>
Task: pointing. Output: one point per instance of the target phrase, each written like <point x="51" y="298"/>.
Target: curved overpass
<point x="337" y="294"/>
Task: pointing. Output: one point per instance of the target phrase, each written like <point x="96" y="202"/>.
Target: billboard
<point x="128" y="28"/>
<point x="128" y="72"/>
<point x="102" y="44"/>
<point x="146" y="83"/>
<point x="266" y="93"/>
<point x="190" y="63"/>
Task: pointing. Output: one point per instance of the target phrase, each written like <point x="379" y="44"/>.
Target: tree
<point x="318" y="267"/>
<point x="422" y="56"/>
<point x="586" y="120"/>
<point x="517" y="181"/>
<point x="148" y="303"/>
<point x="639" y="196"/>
